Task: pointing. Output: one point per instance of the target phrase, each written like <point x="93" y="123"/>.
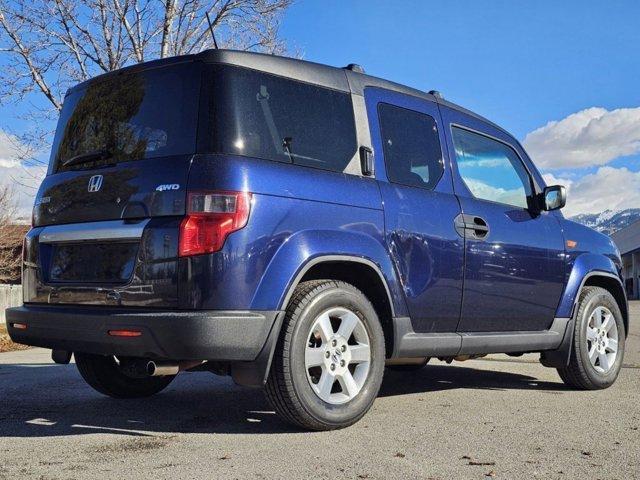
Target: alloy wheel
<point x="338" y="355"/>
<point x="602" y="339"/>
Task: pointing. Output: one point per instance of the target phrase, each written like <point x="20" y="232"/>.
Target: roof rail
<point x="354" y="67"/>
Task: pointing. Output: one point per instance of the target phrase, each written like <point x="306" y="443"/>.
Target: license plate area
<point x="92" y="263"/>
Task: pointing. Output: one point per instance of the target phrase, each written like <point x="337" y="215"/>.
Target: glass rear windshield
<point x="126" y="117"/>
<point x="256" y="114"/>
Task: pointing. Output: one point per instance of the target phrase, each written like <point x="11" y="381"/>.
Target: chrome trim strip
<point x="82" y="232"/>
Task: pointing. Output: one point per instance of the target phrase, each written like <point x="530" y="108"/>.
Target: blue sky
<point x="519" y="63"/>
<point x="522" y="64"/>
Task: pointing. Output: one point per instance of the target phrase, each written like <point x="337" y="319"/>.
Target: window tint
<point x="412" y="152"/>
<point x="490" y="169"/>
<point x="260" y="115"/>
<point x="129" y="117"/>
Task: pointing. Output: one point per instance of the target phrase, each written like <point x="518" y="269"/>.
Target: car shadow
<point x="439" y="377"/>
<point x="41" y="400"/>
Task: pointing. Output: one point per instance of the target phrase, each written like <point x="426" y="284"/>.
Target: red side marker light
<point x="572" y="244"/>
<point x="19" y="326"/>
<point x="125" y="333"/>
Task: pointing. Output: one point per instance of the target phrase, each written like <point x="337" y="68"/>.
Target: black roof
<point x="336" y="78"/>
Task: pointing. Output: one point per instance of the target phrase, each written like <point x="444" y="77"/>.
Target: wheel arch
<point x="592" y="269"/>
<point x="587" y="269"/>
<point x="360" y="272"/>
<point x="613" y="285"/>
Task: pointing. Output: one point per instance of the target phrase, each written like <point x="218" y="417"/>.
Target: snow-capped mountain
<point x="608" y="221"/>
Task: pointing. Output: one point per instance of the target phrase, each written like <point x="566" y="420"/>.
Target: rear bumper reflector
<point x="125" y="333"/>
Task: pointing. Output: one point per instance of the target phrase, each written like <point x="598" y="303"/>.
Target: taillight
<point x="211" y="217"/>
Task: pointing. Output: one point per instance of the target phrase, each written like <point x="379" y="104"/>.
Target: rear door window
<point x="490" y="169"/>
<point x="412" y="151"/>
<point x="260" y="115"/>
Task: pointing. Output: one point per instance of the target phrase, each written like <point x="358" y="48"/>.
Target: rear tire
<point x="103" y="374"/>
<point x="329" y="360"/>
<point x="598" y="342"/>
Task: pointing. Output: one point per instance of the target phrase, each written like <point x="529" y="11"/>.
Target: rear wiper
<point x="87" y="157"/>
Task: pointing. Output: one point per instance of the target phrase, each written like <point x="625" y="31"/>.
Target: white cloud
<point x="607" y="189"/>
<point x="591" y="137"/>
<point x="9" y="150"/>
<point x="481" y="189"/>
<point x="23" y="178"/>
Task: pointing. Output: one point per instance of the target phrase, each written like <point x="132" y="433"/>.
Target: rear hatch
<point x="107" y="216"/>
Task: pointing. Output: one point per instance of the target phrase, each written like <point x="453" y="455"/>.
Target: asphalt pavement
<point x="499" y="417"/>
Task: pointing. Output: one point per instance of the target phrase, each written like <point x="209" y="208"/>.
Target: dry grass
<point x="6" y="345"/>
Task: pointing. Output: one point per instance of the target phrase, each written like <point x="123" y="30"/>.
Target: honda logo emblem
<point x="95" y="183"/>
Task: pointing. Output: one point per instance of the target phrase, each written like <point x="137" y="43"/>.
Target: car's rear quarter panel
<point x="297" y="214"/>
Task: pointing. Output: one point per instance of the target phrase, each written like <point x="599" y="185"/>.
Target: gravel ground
<point x="499" y="417"/>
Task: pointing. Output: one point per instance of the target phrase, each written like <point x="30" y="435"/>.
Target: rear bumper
<point x="176" y="335"/>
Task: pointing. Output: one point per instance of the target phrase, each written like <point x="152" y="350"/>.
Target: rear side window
<point x="260" y="115"/>
<point x="491" y="169"/>
<point x="412" y="151"/>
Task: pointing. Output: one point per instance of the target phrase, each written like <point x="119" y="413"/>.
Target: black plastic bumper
<point x="177" y="335"/>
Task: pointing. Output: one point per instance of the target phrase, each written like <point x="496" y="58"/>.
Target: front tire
<point x="104" y="375"/>
<point x="329" y="360"/>
<point x="598" y="343"/>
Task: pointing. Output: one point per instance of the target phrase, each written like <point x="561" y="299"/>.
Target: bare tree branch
<point x="10" y="238"/>
<point x="30" y="64"/>
<point x="51" y="45"/>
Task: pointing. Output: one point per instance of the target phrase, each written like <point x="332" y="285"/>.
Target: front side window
<point x="491" y="169"/>
<point x="256" y="114"/>
<point x="412" y="151"/>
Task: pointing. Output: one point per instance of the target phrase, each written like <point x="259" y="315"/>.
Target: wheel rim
<point x="337" y="356"/>
<point x="602" y="339"/>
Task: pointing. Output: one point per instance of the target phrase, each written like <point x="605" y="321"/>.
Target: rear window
<point x="255" y="114"/>
<point x="128" y="117"/>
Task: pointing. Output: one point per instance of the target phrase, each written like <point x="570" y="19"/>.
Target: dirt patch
<point x="139" y="445"/>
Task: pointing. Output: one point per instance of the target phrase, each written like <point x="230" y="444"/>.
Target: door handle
<point x="471" y="225"/>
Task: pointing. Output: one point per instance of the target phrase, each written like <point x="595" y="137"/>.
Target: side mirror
<point x="366" y="161"/>
<point x="554" y="197"/>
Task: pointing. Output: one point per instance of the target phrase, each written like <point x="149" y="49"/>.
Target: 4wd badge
<point x="167" y="186"/>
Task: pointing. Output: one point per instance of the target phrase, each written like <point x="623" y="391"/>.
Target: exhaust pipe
<point x="160" y="369"/>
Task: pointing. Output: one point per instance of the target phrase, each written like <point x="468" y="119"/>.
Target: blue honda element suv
<point x="301" y="227"/>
